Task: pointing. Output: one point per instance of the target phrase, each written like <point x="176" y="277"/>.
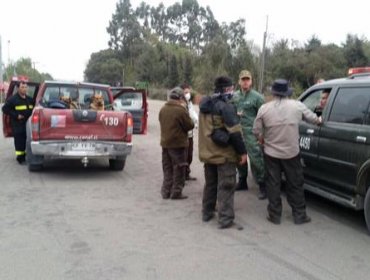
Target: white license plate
<point x="83" y="147"/>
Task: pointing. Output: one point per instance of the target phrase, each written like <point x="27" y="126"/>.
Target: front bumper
<point x="76" y="149"/>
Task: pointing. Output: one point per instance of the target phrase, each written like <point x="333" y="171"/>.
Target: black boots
<point x="262" y="193"/>
<point x="242" y="184"/>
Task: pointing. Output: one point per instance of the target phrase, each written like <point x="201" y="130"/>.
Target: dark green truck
<point x="336" y="155"/>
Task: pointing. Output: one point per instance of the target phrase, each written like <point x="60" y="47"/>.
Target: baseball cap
<point x="176" y="93"/>
<point x="245" y="74"/>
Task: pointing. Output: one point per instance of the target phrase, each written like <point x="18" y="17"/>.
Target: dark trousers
<point x="220" y="180"/>
<point x="173" y="164"/>
<point x="20" y="138"/>
<point x="293" y="171"/>
<point x="189" y="156"/>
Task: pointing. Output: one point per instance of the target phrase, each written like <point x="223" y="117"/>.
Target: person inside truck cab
<point x="19" y="107"/>
<point x="322" y="103"/>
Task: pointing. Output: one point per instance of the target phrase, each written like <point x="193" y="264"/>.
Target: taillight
<point x="35" y="125"/>
<point x="130" y="128"/>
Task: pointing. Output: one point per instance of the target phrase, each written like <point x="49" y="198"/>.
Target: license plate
<point x="83" y="147"/>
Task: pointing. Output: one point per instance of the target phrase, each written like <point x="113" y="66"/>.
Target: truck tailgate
<point x="82" y="125"/>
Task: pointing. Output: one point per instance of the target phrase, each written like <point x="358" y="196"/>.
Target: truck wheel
<point x="367" y="209"/>
<point x="117" y="164"/>
<point x="35" y="163"/>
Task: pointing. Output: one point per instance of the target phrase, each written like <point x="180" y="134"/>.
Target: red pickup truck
<point x="66" y="123"/>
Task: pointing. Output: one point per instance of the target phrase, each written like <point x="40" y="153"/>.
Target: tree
<point x="104" y="67"/>
<point x="313" y="43"/>
<point x="173" y="75"/>
<point x="124" y="29"/>
<point x="150" y="67"/>
<point x="24" y="66"/>
<point x="188" y="69"/>
<point x="354" y="51"/>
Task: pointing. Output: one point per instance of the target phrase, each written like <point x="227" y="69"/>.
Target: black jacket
<point x="16" y="105"/>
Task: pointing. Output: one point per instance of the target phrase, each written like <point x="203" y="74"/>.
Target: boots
<point x="262" y="193"/>
<point x="242" y="184"/>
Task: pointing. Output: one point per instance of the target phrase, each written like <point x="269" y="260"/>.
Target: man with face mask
<point x="247" y="102"/>
<point x="216" y="112"/>
<point x="194" y="117"/>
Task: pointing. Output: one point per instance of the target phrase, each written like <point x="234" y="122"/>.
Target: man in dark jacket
<point x="175" y="123"/>
<point x="220" y="161"/>
<point x="19" y="107"/>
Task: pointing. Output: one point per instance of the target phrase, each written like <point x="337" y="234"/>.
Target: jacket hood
<point x="207" y="103"/>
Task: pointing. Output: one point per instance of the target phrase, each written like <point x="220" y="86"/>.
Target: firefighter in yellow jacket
<point x="19" y="107"/>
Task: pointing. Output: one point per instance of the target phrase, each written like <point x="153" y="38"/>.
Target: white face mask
<point x="187" y="96"/>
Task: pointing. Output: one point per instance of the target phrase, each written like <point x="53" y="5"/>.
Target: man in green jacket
<point x="175" y="123"/>
<point x="247" y="102"/>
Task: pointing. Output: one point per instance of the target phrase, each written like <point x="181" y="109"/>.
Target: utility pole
<point x="34" y="64"/>
<point x="262" y="67"/>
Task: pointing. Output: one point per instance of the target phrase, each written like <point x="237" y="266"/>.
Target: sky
<point x="60" y="35"/>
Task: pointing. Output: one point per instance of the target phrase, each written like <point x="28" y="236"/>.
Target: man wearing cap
<point x="276" y="126"/>
<point x="217" y="112"/>
<point x="175" y="123"/>
<point x="247" y="102"/>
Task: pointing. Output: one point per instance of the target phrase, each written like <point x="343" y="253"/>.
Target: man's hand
<point x="244" y="159"/>
<point x="261" y="140"/>
<point x="20" y="117"/>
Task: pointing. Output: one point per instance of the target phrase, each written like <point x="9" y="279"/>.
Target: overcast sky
<point x="59" y="36"/>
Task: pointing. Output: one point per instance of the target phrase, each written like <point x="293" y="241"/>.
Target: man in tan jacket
<point x="217" y="112"/>
<point x="276" y="126"/>
<point x="175" y="123"/>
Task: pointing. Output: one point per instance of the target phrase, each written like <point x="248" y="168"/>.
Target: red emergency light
<point x="358" y="70"/>
<point x="21" y="78"/>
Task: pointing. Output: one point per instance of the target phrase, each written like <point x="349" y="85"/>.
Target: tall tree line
<point x="24" y="66"/>
<point x="184" y="42"/>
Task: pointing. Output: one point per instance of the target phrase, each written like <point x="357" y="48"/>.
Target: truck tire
<point x="35" y="163"/>
<point x="367" y="209"/>
<point x="117" y="164"/>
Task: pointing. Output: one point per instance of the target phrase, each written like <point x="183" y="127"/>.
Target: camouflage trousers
<point x="219" y="187"/>
<point x="173" y="165"/>
<point x="255" y="156"/>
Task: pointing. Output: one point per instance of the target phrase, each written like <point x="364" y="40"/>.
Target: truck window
<point x="81" y="96"/>
<point x="312" y="100"/>
<point x="51" y="93"/>
<point x="131" y="100"/>
<point x="350" y="105"/>
<point x="31" y="90"/>
<point x="85" y="94"/>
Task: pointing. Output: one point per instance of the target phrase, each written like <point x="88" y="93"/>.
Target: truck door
<point x="135" y="102"/>
<point x="12" y="90"/>
<point x="309" y="137"/>
<point x="345" y="137"/>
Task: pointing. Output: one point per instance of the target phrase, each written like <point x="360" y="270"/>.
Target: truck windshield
<point x="79" y="97"/>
